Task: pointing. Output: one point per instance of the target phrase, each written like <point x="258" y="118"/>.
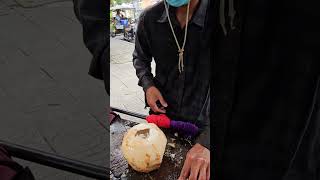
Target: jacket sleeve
<point x="205" y="117"/>
<point x="204" y="137"/>
<point x="94" y="18"/>
<point x="142" y="56"/>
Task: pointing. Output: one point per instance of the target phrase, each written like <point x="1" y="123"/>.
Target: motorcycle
<point x="129" y="33"/>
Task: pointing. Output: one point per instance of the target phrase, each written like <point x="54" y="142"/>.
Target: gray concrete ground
<point x="47" y="99"/>
<point x="124" y="90"/>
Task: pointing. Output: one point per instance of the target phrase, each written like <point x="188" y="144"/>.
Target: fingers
<point x="162" y="101"/>
<point x="195" y="168"/>
<point x="185" y="170"/>
<point x="208" y="172"/>
<point x="155" y="108"/>
<point x="154" y="95"/>
<point x="203" y="172"/>
<point x="197" y="164"/>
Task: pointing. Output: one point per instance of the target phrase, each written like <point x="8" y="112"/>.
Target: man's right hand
<point x="153" y="95"/>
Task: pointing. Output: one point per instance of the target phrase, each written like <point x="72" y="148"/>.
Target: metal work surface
<point x="172" y="161"/>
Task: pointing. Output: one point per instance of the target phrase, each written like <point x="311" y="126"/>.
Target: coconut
<point x="143" y="147"/>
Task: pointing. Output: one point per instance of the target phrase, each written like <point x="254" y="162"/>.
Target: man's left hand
<point x="197" y="164"/>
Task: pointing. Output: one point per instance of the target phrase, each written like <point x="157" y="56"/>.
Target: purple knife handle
<point x="185" y="128"/>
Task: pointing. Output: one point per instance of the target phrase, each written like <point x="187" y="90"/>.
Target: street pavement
<point x="47" y="99"/>
<point x="124" y="90"/>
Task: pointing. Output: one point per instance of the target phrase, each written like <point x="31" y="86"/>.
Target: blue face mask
<point x="177" y="3"/>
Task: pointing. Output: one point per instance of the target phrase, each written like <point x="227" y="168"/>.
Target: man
<point x="94" y="19"/>
<point x="266" y="84"/>
<point x="118" y="16"/>
<point x="180" y="88"/>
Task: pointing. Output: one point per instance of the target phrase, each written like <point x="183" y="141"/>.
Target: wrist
<point x="146" y="82"/>
<point x="147" y="88"/>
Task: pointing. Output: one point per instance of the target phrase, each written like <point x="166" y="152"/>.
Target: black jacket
<point x="94" y="17"/>
<point x="266" y="88"/>
<point x="187" y="93"/>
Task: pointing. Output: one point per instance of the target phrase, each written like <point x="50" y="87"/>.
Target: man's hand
<point x="153" y="95"/>
<point x="197" y="164"/>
